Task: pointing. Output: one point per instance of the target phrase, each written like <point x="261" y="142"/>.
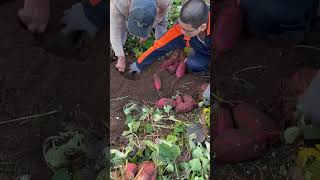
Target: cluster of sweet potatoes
<point x="243" y="135"/>
<point x="145" y="171"/>
<point x="175" y="64"/>
<point x="182" y="104"/>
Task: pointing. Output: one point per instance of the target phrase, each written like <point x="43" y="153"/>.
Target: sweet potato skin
<point x="184" y="107"/>
<point x="165" y="101"/>
<point x="223" y="121"/>
<point x="157" y="82"/>
<point x="228" y="28"/>
<point x="130" y="171"/>
<point x="181" y="70"/>
<point x="236" y="145"/>
<point x="167" y="63"/>
<point x="149" y="171"/>
<point x="179" y="99"/>
<point x="173" y="67"/>
<point x="248" y="116"/>
<point x="190" y="99"/>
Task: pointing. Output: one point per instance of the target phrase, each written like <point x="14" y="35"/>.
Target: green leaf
<point x="172" y="139"/>
<point x="170" y="168"/>
<point x="168" y="153"/>
<point x="129" y="119"/>
<point x="62" y="174"/>
<point x="205" y="164"/>
<point x="195" y="165"/>
<point x="291" y="134"/>
<point x="311" y="132"/>
<point x="198" y="178"/>
<point x="184" y="166"/>
<point x="314" y="169"/>
<point x="157" y="117"/>
<point x="151" y="145"/>
<point x="308" y="175"/>
<point x="149" y="128"/>
<point x="167" y="108"/>
<point x="128" y="108"/>
<point x="134" y="126"/>
<point x="197" y="152"/>
<point x="178" y="129"/>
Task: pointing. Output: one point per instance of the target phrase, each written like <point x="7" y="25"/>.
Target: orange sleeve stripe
<point x="208" y="25"/>
<point x="94" y="2"/>
<point x="170" y="35"/>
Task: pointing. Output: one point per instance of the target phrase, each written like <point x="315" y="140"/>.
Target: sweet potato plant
<point x="156" y="135"/>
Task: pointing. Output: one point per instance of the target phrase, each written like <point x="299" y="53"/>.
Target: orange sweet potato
<point x="184" y="107"/>
<point x="130" y="171"/>
<point x="181" y="70"/>
<point x="237" y="145"/>
<point x="247" y="116"/>
<point x="165" y="101"/>
<point x="148" y="171"/>
<point x="179" y="99"/>
<point x="188" y="98"/>
<point x="223" y="121"/>
<point x="157" y="81"/>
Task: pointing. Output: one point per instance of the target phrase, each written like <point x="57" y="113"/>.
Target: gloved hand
<point x="76" y="20"/>
<point x="133" y="68"/>
<point x="206" y="95"/>
<point x="309" y="102"/>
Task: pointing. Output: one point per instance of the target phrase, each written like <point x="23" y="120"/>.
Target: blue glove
<point x="133" y="68"/>
<point x="206" y="95"/>
<point x="309" y="102"/>
<point x="76" y="20"/>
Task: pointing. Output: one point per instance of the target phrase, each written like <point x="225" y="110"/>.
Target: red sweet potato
<point x="181" y="70"/>
<point x="248" y="116"/>
<point x="184" y="107"/>
<point x="157" y="81"/>
<point x="237" y="145"/>
<point x="130" y="171"/>
<point x="223" y="121"/>
<point x="167" y="63"/>
<point x="148" y="171"/>
<point x="179" y="99"/>
<point x="188" y="98"/>
<point x="173" y="67"/>
<point x="228" y="28"/>
<point x="303" y="78"/>
<point x="165" y="101"/>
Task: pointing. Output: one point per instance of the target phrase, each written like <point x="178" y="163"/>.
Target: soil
<point x="258" y="71"/>
<point x="140" y="89"/>
<point x="34" y="81"/>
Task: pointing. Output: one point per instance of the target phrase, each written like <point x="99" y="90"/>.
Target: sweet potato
<point x="247" y="116"/>
<point x="173" y="67"/>
<point x="179" y="99"/>
<point x="165" y="101"/>
<point x="181" y="70"/>
<point x="188" y="98"/>
<point x="184" y="107"/>
<point x="228" y="28"/>
<point x="130" y="171"/>
<point x="237" y="145"/>
<point x="148" y="171"/>
<point x="223" y="121"/>
<point x="167" y="63"/>
<point x="157" y="81"/>
<point x="303" y="78"/>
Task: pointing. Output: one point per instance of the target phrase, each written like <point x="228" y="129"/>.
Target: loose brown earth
<point x="273" y="63"/>
<point x="34" y="81"/>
